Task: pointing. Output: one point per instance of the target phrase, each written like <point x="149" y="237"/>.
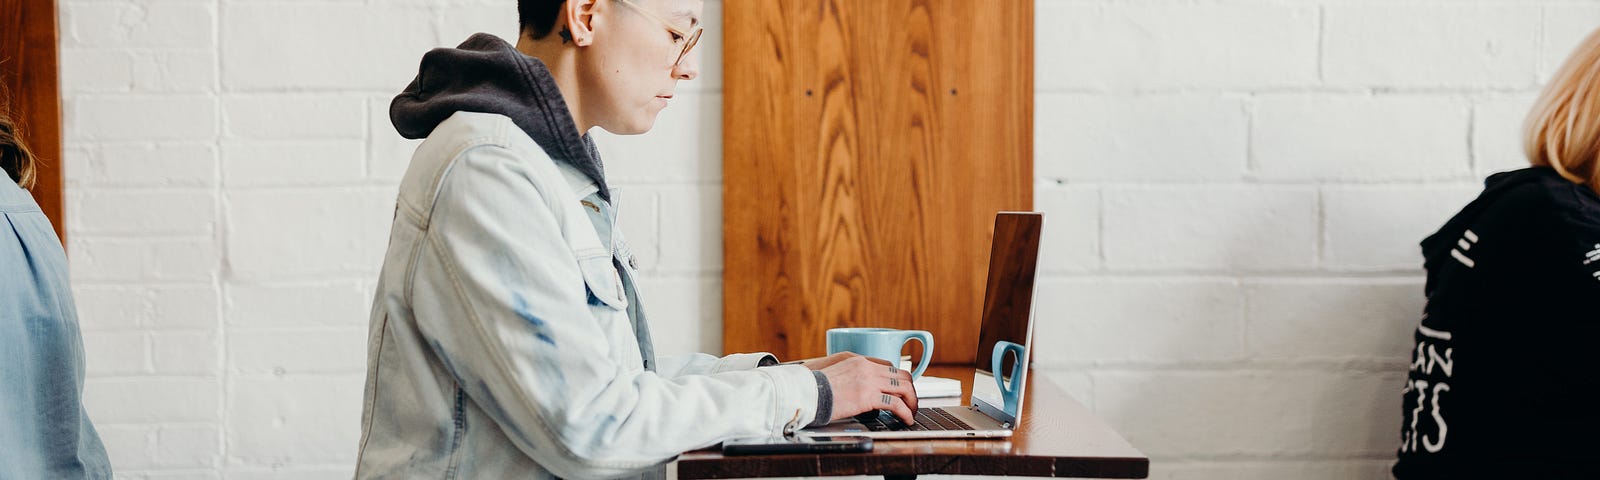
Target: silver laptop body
<point x="1008" y="320"/>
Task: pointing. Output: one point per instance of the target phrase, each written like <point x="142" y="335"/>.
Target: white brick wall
<point x="1236" y="190"/>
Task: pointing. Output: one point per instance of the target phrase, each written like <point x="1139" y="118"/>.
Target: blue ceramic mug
<point x="884" y="343"/>
<point x="1010" y="391"/>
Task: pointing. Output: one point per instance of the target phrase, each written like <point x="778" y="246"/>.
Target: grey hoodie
<point x="485" y="74"/>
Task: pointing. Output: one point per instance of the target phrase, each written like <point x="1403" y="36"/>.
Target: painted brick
<point x="1210" y="228"/>
<point x="109" y="307"/>
<point x="330" y="46"/>
<point x="294" y="420"/>
<point x="293" y="163"/>
<point x="150" y="400"/>
<point x="1281" y="414"/>
<point x="188" y="446"/>
<point x="1356" y="414"/>
<point x="685" y="313"/>
<point x="340" y="304"/>
<point x="1121" y="46"/>
<point x="388" y="154"/>
<point x="1072" y="228"/>
<point x="457" y="23"/>
<point x="183" y="306"/>
<point x="1302" y="319"/>
<point x="1077" y="384"/>
<point x="183" y="474"/>
<point x="127" y="446"/>
<point x="297" y="351"/>
<point x="276" y="235"/>
<point x="185" y="353"/>
<point x="175" y="71"/>
<point x="292" y="473"/>
<point x="113" y="307"/>
<point x="1377" y="228"/>
<point x="141" y="24"/>
<point x="691" y="229"/>
<point x="1392" y="45"/>
<point x="137" y="259"/>
<point x="1565" y="26"/>
<point x="85" y="70"/>
<point x="640" y="227"/>
<point x="1360" y="138"/>
<point x="1138" y="321"/>
<point x="140" y="117"/>
<point x="1497" y="124"/>
<point x="143" y="165"/>
<point x="115" y="353"/>
<point x="158" y="212"/>
<point x="1216" y="413"/>
<point x="1159" y="138"/>
<point x="294" y="116"/>
<point x="1270" y="469"/>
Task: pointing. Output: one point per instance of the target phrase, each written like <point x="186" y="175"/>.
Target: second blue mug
<point x="884" y="343"/>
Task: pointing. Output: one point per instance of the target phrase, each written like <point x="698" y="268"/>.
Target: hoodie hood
<point x="487" y="75"/>
<point x="1562" y="194"/>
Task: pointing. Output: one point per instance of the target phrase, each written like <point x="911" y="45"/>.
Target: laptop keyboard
<point x="927" y="419"/>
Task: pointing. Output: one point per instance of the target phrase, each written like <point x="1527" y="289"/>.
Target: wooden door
<point x="867" y="146"/>
<point x="28" y="62"/>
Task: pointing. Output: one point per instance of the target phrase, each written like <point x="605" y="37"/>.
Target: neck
<point x="562" y="60"/>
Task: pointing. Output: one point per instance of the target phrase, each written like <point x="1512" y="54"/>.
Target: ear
<point x="580" y="21"/>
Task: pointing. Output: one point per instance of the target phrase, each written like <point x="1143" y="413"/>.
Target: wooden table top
<point x="1058" y="437"/>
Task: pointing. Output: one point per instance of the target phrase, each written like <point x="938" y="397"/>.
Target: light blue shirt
<point x="44" y="430"/>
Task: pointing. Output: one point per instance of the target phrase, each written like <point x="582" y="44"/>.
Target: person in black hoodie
<point x="1499" y="384"/>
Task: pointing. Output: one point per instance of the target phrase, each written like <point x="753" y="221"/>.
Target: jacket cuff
<point x="824" y="400"/>
<point x="741" y="361"/>
<point x="795" y="399"/>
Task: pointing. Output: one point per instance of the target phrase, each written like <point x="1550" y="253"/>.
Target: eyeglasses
<point x="689" y="38"/>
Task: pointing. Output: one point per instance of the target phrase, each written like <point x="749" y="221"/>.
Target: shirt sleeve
<point x="518" y="335"/>
<point x="673" y="366"/>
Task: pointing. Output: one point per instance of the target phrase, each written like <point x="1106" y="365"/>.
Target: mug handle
<point x="927" y="350"/>
<point x="997" y="359"/>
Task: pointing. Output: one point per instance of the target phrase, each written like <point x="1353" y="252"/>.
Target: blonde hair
<point x="15" y="158"/>
<point x="1563" y="130"/>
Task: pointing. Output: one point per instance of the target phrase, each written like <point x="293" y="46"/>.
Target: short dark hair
<point x="538" y="17"/>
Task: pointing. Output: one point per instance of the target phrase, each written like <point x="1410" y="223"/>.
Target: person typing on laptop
<point x="507" y="335"/>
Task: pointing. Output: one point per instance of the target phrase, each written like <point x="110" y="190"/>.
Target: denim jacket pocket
<point x="603" y="281"/>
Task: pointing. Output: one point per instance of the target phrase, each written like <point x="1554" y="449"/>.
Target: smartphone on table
<point x="780" y="445"/>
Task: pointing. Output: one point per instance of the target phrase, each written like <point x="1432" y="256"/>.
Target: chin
<point x="639" y="126"/>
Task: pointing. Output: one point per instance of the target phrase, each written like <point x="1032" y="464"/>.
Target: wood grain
<point x="867" y="147"/>
<point x="1058" y="437"/>
<point x="28" y="68"/>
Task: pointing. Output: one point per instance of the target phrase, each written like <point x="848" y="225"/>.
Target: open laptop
<point x="1004" y="343"/>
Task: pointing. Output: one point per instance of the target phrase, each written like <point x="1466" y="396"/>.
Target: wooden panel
<point x="28" y="66"/>
<point x="867" y="147"/>
<point x="1058" y="437"/>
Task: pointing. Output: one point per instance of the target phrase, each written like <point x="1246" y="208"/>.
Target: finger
<point x="901" y="386"/>
<point x="898" y="407"/>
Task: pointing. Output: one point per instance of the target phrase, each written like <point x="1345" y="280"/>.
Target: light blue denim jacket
<point x="501" y="344"/>
<point x="44" y="431"/>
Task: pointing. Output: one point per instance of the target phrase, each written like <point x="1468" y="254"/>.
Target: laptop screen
<point x="1005" y="336"/>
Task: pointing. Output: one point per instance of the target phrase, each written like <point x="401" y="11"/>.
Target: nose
<point x="689" y="68"/>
